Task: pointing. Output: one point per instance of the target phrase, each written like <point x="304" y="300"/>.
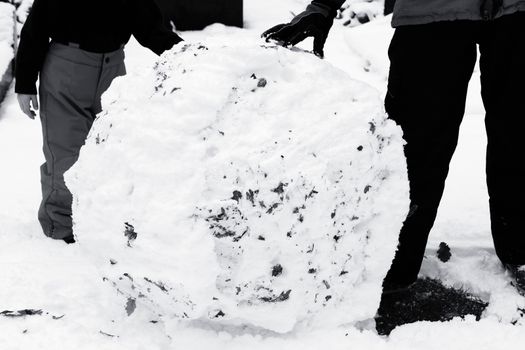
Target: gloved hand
<point x="315" y="21"/>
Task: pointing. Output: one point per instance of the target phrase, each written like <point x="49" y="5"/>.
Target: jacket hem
<point x="407" y="20"/>
<point x="426" y="19"/>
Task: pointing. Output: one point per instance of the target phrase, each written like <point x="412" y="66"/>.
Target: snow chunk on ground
<point x="243" y="184"/>
<point x="356" y="12"/>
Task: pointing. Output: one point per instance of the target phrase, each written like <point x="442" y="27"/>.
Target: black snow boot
<point x="69" y="239"/>
<point x="517" y="273"/>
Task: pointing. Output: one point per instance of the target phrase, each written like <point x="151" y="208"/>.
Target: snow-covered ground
<point x="80" y="311"/>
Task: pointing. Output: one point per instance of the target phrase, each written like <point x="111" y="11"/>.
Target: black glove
<point x="315" y="21"/>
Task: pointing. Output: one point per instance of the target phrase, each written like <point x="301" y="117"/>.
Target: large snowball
<point x="243" y="184"/>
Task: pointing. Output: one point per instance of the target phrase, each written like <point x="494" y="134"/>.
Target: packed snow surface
<point x="7" y="28"/>
<point x="243" y="184"/>
<point x="80" y="312"/>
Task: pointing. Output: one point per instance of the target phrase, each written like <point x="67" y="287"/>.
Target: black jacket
<point x="330" y="6"/>
<point x="96" y="25"/>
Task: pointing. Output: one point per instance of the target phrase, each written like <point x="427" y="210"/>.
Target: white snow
<point x="23" y="7"/>
<point x="285" y="160"/>
<point x="7" y="36"/>
<point x="64" y="280"/>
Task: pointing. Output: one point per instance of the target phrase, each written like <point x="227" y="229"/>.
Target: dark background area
<point x="197" y="14"/>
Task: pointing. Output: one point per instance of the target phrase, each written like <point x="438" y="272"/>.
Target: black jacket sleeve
<point x="149" y="29"/>
<point x="34" y="43"/>
<point x="330" y="7"/>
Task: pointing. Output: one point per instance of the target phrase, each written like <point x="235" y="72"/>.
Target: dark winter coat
<point x="98" y="26"/>
<point x="410" y="12"/>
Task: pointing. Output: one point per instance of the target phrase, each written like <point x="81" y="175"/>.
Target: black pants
<point x="431" y="66"/>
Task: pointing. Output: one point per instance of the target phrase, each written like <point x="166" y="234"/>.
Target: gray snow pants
<point x="71" y="85"/>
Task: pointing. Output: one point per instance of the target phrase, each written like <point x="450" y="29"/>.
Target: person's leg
<point x="72" y="82"/>
<point x="431" y="66"/>
<point x="502" y="50"/>
<point x="66" y="120"/>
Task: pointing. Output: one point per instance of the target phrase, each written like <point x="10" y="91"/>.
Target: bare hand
<point x="25" y="102"/>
